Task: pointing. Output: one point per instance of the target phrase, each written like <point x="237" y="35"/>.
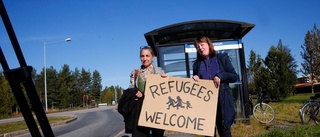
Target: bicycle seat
<point x="315" y="96"/>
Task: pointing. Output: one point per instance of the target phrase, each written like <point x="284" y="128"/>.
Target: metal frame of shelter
<point x="173" y="46"/>
<point x="22" y="76"/>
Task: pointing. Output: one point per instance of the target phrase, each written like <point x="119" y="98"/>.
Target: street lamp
<point x="45" y="69"/>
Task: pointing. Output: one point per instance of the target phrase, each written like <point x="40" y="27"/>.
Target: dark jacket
<point x="227" y="74"/>
<point x="128" y="107"/>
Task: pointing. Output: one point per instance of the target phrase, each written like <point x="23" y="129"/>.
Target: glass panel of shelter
<point x="173" y="60"/>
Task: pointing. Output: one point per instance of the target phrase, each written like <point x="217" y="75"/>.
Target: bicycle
<point x="310" y="111"/>
<point x="262" y="111"/>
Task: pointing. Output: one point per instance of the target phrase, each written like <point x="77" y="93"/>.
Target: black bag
<point x="126" y="107"/>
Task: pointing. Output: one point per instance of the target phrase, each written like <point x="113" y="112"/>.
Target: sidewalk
<point x="165" y="135"/>
<point x="122" y="134"/>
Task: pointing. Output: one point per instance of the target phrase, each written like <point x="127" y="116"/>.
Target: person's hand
<point x="195" y="78"/>
<point x="216" y="81"/>
<point x="139" y="94"/>
<point x="163" y="75"/>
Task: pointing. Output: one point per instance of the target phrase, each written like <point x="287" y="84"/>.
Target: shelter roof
<point x="186" y="32"/>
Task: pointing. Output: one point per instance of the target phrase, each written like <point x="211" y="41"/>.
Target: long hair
<point x="212" y="52"/>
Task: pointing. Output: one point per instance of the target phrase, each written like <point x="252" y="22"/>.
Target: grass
<point x="300" y="131"/>
<point x="21" y="125"/>
<point x="298" y="98"/>
<point x="287" y="122"/>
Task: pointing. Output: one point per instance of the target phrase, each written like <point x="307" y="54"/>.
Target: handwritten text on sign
<point x="179" y="104"/>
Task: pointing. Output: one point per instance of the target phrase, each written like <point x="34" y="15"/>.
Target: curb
<point x="24" y="131"/>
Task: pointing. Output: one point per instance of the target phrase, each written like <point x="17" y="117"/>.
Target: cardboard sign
<point x="180" y="104"/>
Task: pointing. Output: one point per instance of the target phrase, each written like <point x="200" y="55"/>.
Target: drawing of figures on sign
<point x="188" y="105"/>
<point x="171" y="102"/>
<point x="179" y="104"/>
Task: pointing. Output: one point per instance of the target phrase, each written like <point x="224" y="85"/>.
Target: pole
<point x="45" y="68"/>
<point x="45" y="75"/>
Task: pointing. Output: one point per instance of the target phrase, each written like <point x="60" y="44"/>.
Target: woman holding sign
<point x="210" y="65"/>
<point x="138" y="79"/>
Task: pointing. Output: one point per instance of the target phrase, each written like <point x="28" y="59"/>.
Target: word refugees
<point x="187" y="87"/>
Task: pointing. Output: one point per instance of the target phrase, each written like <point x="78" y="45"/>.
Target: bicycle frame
<point x="262" y="111"/>
<point x="261" y="95"/>
<point x="312" y="102"/>
<point x="260" y="101"/>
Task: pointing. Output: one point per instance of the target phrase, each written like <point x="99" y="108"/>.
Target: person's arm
<point x="195" y="76"/>
<point x="229" y="75"/>
<point x="161" y="72"/>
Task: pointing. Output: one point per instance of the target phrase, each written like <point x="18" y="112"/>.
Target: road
<point x="96" y="122"/>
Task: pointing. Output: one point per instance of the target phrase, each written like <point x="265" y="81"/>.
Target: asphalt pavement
<point x="73" y="117"/>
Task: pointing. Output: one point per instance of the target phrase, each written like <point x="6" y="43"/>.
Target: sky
<point x="106" y="35"/>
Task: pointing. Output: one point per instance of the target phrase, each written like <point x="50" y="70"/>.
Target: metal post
<point x="45" y="68"/>
<point x="45" y="75"/>
<point x="22" y="76"/>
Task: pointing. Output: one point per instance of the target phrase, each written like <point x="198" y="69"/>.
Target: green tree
<point x="39" y="84"/>
<point x="281" y="68"/>
<point x="263" y="79"/>
<point x="254" y="64"/>
<point x="96" y="85"/>
<point x="64" y="81"/>
<point x="110" y="94"/>
<point x="85" y="82"/>
<point x="76" y="93"/>
<point x="7" y="100"/>
<point x="53" y="94"/>
<point x="103" y="97"/>
<point x="119" y="91"/>
<point x="311" y="55"/>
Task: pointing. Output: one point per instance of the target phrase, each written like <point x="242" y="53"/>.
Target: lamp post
<point x="45" y="69"/>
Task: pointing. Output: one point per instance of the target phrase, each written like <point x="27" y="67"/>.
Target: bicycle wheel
<point x="264" y="113"/>
<point x="310" y="112"/>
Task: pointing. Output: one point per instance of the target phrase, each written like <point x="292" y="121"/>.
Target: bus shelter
<point x="175" y="51"/>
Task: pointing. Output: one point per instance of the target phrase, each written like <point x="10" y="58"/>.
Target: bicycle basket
<point x="266" y="99"/>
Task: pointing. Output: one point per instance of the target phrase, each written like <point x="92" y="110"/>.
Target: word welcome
<point x="174" y="120"/>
